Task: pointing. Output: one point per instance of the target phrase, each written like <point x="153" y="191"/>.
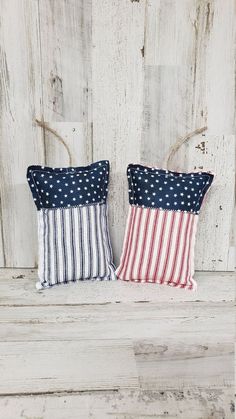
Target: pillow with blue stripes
<point x="161" y="226"/>
<point x="74" y="242"/>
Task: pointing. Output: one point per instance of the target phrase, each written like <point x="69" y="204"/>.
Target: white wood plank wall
<point x="118" y="79"/>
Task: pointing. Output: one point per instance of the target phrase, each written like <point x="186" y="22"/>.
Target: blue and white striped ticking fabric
<point x="74" y="241"/>
<point x="74" y="244"/>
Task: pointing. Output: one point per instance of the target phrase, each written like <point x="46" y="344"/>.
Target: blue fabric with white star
<point x="69" y="187"/>
<point x="156" y="188"/>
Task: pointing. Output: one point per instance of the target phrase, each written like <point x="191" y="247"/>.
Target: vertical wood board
<point x="189" y="84"/>
<point x="21" y="142"/>
<point x="117" y="71"/>
<point x="65" y="31"/>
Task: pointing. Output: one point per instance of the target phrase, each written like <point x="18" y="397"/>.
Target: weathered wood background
<point x="121" y="80"/>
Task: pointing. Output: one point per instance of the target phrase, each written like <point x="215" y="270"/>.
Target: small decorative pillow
<point x="161" y="226"/>
<point x="73" y="233"/>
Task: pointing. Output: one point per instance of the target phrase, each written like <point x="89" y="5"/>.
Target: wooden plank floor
<point x="116" y="350"/>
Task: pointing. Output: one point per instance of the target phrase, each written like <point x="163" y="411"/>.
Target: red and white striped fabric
<point x="159" y="247"/>
<point x="161" y="226"/>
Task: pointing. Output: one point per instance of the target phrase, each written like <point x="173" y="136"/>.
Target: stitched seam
<point x="72" y="206"/>
<point x="46" y="171"/>
<point x="151" y="169"/>
<point x="170" y="176"/>
<point x="132" y="186"/>
<point x="203" y="191"/>
<point x="165" y="209"/>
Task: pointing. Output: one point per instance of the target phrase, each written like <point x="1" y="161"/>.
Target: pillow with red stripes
<point x="161" y="227"/>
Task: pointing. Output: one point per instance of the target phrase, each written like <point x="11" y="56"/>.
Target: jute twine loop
<point x="46" y="127"/>
<point x="178" y="144"/>
<point x="173" y="149"/>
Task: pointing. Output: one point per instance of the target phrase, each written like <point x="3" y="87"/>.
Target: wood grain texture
<point x="45" y="74"/>
<point x="17" y="288"/>
<point x="163" y="366"/>
<point x="118" y="79"/>
<point x="21" y="142"/>
<point x="65" y="33"/>
<point x="214" y="247"/>
<point x="48" y="367"/>
<point x="214" y="403"/>
<point x="117" y="64"/>
<point x="184" y="64"/>
<point x="118" y="321"/>
<point x="74" y="135"/>
<point x="92" y="356"/>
